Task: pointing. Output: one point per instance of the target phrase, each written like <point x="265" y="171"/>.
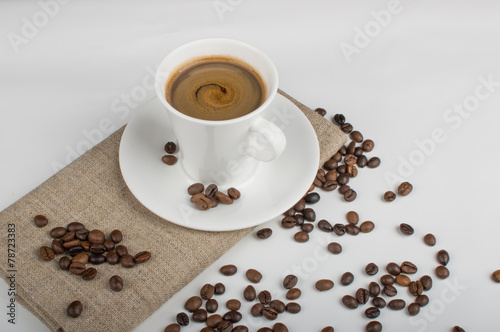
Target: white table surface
<point x="77" y="70"/>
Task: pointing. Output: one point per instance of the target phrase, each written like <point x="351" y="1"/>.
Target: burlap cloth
<point x="91" y="190"/>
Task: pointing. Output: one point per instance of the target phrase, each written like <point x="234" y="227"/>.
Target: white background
<point x="77" y="67"/>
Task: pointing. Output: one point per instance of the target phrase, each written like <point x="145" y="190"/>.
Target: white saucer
<point x="162" y="189"/>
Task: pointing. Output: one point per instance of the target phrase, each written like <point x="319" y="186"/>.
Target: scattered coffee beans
<point x="301" y="237"/>
<point x="75" y="309"/>
<point x="371" y="269"/>
<point x="408" y="268"/>
<point x="182" y="319"/>
<point x="347" y="279"/>
<point x="372" y="312"/>
<point x="173" y="328"/>
<point x="373" y="326"/>
<point x="293" y="294"/>
<point x="249" y="293"/>
<point x="169" y="159"/>
<point x="457" y="329"/>
<point x="443" y="257"/>
<point x="397" y="304"/>
<point x="442" y="272"/>
<point x="335" y="248"/>
<point x="405" y="189"/>
<point x="116" y="283"/>
<point x="406" y="229"/>
<point x="496" y="276"/>
<point x="366" y="226"/>
<point x="254" y="275"/>
<point x="362" y="295"/>
<point x="389" y="196"/>
<point x="228" y="270"/>
<point x="413" y="309"/>
<point x="430" y="240"/>
<point x="422" y="300"/>
<point x="264" y="233"/>
<point x="40" y="221"/>
<point x="324" y="285"/>
<point x="290" y="281"/>
<point x="46" y="253"/>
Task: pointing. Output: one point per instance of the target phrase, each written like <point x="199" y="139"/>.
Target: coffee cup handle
<point x="265" y="142"/>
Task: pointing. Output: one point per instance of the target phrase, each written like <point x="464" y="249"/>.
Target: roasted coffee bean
<point x="214" y="201"/>
<point x="182" y="319"/>
<point x="393" y="269"/>
<point x="96" y="237"/>
<point x="321" y="175"/>
<point x="234" y="304"/>
<point x="362" y="161"/>
<point x="173" y="328"/>
<point x="264" y="233"/>
<point x="362" y="295"/>
<point x="374" y="289"/>
<point x="253" y="276"/>
<point x="81" y="258"/>
<point x="219" y="289"/>
<point x="457" y="329"/>
<point x="201" y="202"/>
<point x="75" y="226"/>
<point x="356" y="136"/>
<point x="75" y="309"/>
<point x="442" y="272"/>
<point x="350" y="301"/>
<point x="320" y="111"/>
<point x="193" y="303"/>
<point x="169" y="159"/>
<point x="290" y="281"/>
<point x="293" y="307"/>
<point x="350" y="195"/>
<point x="225" y="326"/>
<point x="339" y="229"/>
<point x="389" y="290"/>
<point x="232" y="316"/>
<point x="85" y="245"/>
<point x="69" y="236"/>
<point x="443" y="257"/>
<point x="373" y="326"/>
<point x="325" y="226"/>
<point x="300" y="205"/>
<point x="239" y="328"/>
<point x="309" y="214"/>
<point x="426" y="282"/>
<point x="346" y="279"/>
<point x="352" y="229"/>
<point x="97" y="249"/>
<point x="352" y="217"/>
<point x="121" y="250"/>
<point x="422" y="300"/>
<point x="343" y="178"/>
<point x="199" y="315"/>
<point x="416" y="288"/>
<point x="278" y="305"/>
<point x="371" y="269"/>
<point x="387" y="280"/>
<point x="228" y="270"/>
<point x="269" y="313"/>
<point x="112" y="258"/>
<point x="366" y="226"/>
<point x="46" y="253"/>
<point x="330" y="165"/>
<point x="207" y="291"/>
<point x="406" y="229"/>
<point x="327" y="329"/>
<point x="378" y="302"/>
<point x="213" y="320"/>
<point x="368" y="145"/>
<point x="358" y="151"/>
<point x="337" y="157"/>
<point x="389" y="196"/>
<point x="403" y="280"/>
<point x="342" y="169"/>
<point x="397" y="304"/>
<point x="292" y="294"/>
<point x="73" y="251"/>
<point x="280" y="327"/>
<point x="57" y="232"/>
<point x="76" y="268"/>
<point x="126" y="261"/>
<point x="495" y="276"/>
<point x="195" y="188"/>
<point x="408" y="268"/>
<point x="40" y="220"/>
<point x="339" y="119"/>
<point x="256" y="310"/>
<point x="301" y="237"/>
<point x="109" y="245"/>
<point x="317" y="183"/>
<point x="72" y="243"/>
<point x="351" y="147"/>
<point x="211" y="190"/>
<point x="264" y="297"/>
<point x="413" y="309"/>
<point x="288" y="222"/>
<point x="249" y="293"/>
<point x="374" y="162"/>
<point x="372" y="312"/>
<point x="57" y="247"/>
<point x="350" y="160"/>
<point x="346" y="128"/>
<point x="234" y="193"/>
<point x="324" y="285"/>
<point x="343" y="189"/>
<point x="64" y="262"/>
<point x="223" y="198"/>
<point x="352" y="171"/>
<point x="290" y="212"/>
<point x="82" y="234"/>
<point x="97" y="259"/>
<point x="405" y="189"/>
<point x="312" y="198"/>
<point x="212" y="305"/>
<point x="308" y="228"/>
<point x="334" y="247"/>
<point x="430" y="240"/>
<point x="142" y="257"/>
<point x="89" y="273"/>
<point x="170" y="148"/>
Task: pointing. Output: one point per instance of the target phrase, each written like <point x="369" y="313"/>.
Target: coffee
<point x="215" y="88"/>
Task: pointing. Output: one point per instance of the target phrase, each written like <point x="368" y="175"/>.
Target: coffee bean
<point x="228" y="270"/>
<point x="172" y="328"/>
<point x="343" y="178"/>
<point x="278" y="305"/>
<point x="356" y="136"/>
<point x="116" y="283"/>
<point x="76" y="268"/>
<point x="457" y="329"/>
<point x="288" y="222"/>
<point x="320" y="111"/>
<point x="64" y="262"/>
<point x="69" y="236"/>
<point x="249" y="293"/>
<point x="97" y="249"/>
<point x="339" y="229"/>
<point x="280" y="327"/>
<point x="389" y="290"/>
<point x="82" y="234"/>
<point x="182" y="319"/>
<point x="397" y="304"/>
<point x="374" y="289"/>
<point x="292" y="294"/>
<point x="352" y="217"/>
<point x="366" y="226"/>
<point x="350" y="301"/>
<point x="193" y="303"/>
<point x="85" y="245"/>
<point x="393" y="269"/>
<point x="207" y="291"/>
<point x="422" y="300"/>
<point x="195" y="188"/>
<point x="321" y="176"/>
<point x="443" y="257"/>
<point x="358" y="151"/>
<point x="234" y="193"/>
<point x="264" y="297"/>
<point x="346" y="279"/>
<point x="330" y="165"/>
<point x="89" y="273"/>
<point x="350" y="160"/>
<point x="408" y="268"/>
<point x="430" y="240"/>
<point x="416" y="288"/>
<point x="352" y="229"/>
<point x="334" y="247"/>
<point x="170" y="148"/>
<point x="346" y="128"/>
<point x="199" y="315"/>
<point x="72" y="243"/>
<point x="301" y="237"/>
<point x="293" y="307"/>
<point x="312" y="198"/>
<point x="211" y="190"/>
<point x="109" y="245"/>
<point x="403" y="280"/>
<point x="290" y="281"/>
<point x="413" y="309"/>
<point x="372" y="312"/>
<point x="362" y="161"/>
<point x="309" y="214"/>
<point x="374" y="162"/>
<point x="368" y="145"/>
<point x="58" y="232"/>
<point x="219" y="289"/>
<point x="40" y="221"/>
<point x="327" y="329"/>
<point x="442" y="272"/>
<point x="426" y="282"/>
<point x="57" y="247"/>
<point x="201" y="202"/>
<point x="46" y="253"/>
<point x="325" y="226"/>
<point x="387" y="280"/>
<point x="371" y="269"/>
<point x="264" y="233"/>
<point x="373" y="326"/>
<point x="339" y="119"/>
<point x="324" y="285"/>
<point x="362" y="295"/>
<point x="81" y="258"/>
<point x="343" y="150"/>
<point x="337" y="157"/>
<point x="232" y="316"/>
<point x="308" y="228"/>
<point x="343" y="189"/>
<point x="352" y="171"/>
<point x="169" y="159"/>
<point x="256" y="310"/>
<point x="75" y="226"/>
<point x="223" y="198"/>
<point x="212" y="305"/>
<point x="112" y="258"/>
<point x="213" y="320"/>
<point x="405" y="189"/>
<point x="121" y="250"/>
<point x="126" y="261"/>
<point x="350" y="195"/>
<point x="234" y="304"/>
<point x="389" y="196"/>
<point x="378" y="302"/>
<point x="75" y="309"/>
<point x="265" y="329"/>
<point x="96" y="237"/>
<point x="142" y="257"/>
<point x="73" y="251"/>
<point x="269" y="313"/>
<point x="97" y="259"/>
<point x="406" y="229"/>
<point x="254" y="275"/>
<point x="495" y="276"/>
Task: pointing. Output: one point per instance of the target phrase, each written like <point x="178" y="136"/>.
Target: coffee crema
<point x="215" y="88"/>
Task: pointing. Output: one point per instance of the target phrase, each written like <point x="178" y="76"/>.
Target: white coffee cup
<point x="223" y="152"/>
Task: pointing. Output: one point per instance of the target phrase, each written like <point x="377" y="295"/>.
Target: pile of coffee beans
<point x="205" y="199"/>
<point x="404" y="189"/>
<point x="169" y="158"/>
